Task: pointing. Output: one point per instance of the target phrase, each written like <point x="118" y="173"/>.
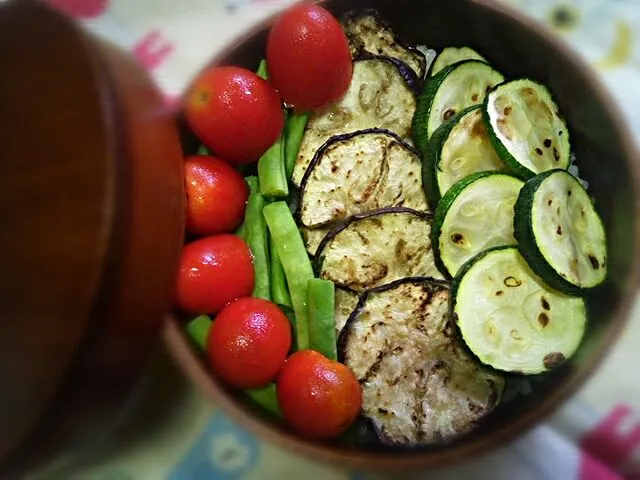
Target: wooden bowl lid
<point x="76" y="209"/>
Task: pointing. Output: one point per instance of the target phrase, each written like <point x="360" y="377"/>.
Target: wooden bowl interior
<point x="606" y="157"/>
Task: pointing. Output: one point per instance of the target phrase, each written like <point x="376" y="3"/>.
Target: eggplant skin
<point x="419" y="385"/>
<point x="379" y="96"/>
<point x="346" y="302"/>
<point x="376" y="248"/>
<point x="359" y="172"/>
<point x="370" y="34"/>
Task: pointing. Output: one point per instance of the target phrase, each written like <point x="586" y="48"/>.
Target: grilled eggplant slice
<point x="377" y="248"/>
<point x="358" y="173"/>
<point x="369" y="34"/>
<point x="379" y="97"/>
<point x="313" y="237"/>
<point x="419" y="384"/>
<point x="346" y="302"/>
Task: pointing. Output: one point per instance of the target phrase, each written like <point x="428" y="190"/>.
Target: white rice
<point x="429" y="54"/>
<point x="573" y="170"/>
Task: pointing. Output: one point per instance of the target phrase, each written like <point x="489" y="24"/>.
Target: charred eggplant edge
<point x="342" y="138"/>
<point x="342" y="340"/>
<point x="319" y="259"/>
<point x="354" y="15"/>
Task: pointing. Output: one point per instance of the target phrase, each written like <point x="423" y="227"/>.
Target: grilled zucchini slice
<point x="345" y="303"/>
<point x="453" y="89"/>
<point x="526" y="128"/>
<point x="458" y="148"/>
<point x="369" y="34"/>
<point x="474" y="215"/>
<point x="357" y="173"/>
<point x="510" y="319"/>
<point x="378" y="97"/>
<point x="560" y="233"/>
<point x="419" y="385"/>
<point x="450" y="55"/>
<point x="377" y="248"/>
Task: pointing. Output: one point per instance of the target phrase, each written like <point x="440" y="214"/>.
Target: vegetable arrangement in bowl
<point x="404" y="240"/>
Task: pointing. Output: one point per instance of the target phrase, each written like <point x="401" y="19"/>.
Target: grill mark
<point x="375" y="366"/>
<point x="363" y="239"/>
<point x="418" y="414"/>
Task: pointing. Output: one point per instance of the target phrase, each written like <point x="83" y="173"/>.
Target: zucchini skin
<point x="509" y="160"/>
<point x="516" y="167"/>
<point x="423" y="108"/>
<point x="336" y="139"/>
<point x="441" y="213"/>
<point x="455" y="285"/>
<point x="425" y="104"/>
<point x="431" y="157"/>
<point x="523" y="233"/>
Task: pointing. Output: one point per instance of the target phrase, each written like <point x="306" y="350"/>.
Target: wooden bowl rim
<point x="182" y="350"/>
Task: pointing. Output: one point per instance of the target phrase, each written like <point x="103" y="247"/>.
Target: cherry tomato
<point x="318" y="397"/>
<point x="213" y="272"/>
<point x="216" y="196"/>
<point x="248" y="342"/>
<point x="309" y="59"/>
<point x="235" y="113"/>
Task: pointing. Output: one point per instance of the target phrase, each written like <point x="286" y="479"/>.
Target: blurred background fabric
<point x="180" y="435"/>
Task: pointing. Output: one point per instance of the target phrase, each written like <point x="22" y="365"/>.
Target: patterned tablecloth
<point x="180" y="435"/>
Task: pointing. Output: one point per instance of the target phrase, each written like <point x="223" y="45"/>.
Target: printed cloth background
<point x="180" y="435"/>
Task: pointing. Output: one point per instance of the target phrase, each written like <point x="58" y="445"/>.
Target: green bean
<point x="271" y="167"/>
<point x="296" y="265"/>
<point x="266" y="397"/>
<point x="322" y="324"/>
<point x="256" y="237"/>
<point x="262" y="70"/>
<point x="198" y="329"/>
<point x="203" y="150"/>
<point x="279" y="289"/>
<point x="272" y="173"/>
<point x="252" y="183"/>
<point x="294" y="131"/>
<point x="241" y="232"/>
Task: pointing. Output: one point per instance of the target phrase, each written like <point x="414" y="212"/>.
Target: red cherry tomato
<point x="309" y="59"/>
<point x="248" y="342"/>
<point x="318" y="397"/>
<point x="235" y="113"/>
<point x="216" y="196"/>
<point x="213" y="272"/>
